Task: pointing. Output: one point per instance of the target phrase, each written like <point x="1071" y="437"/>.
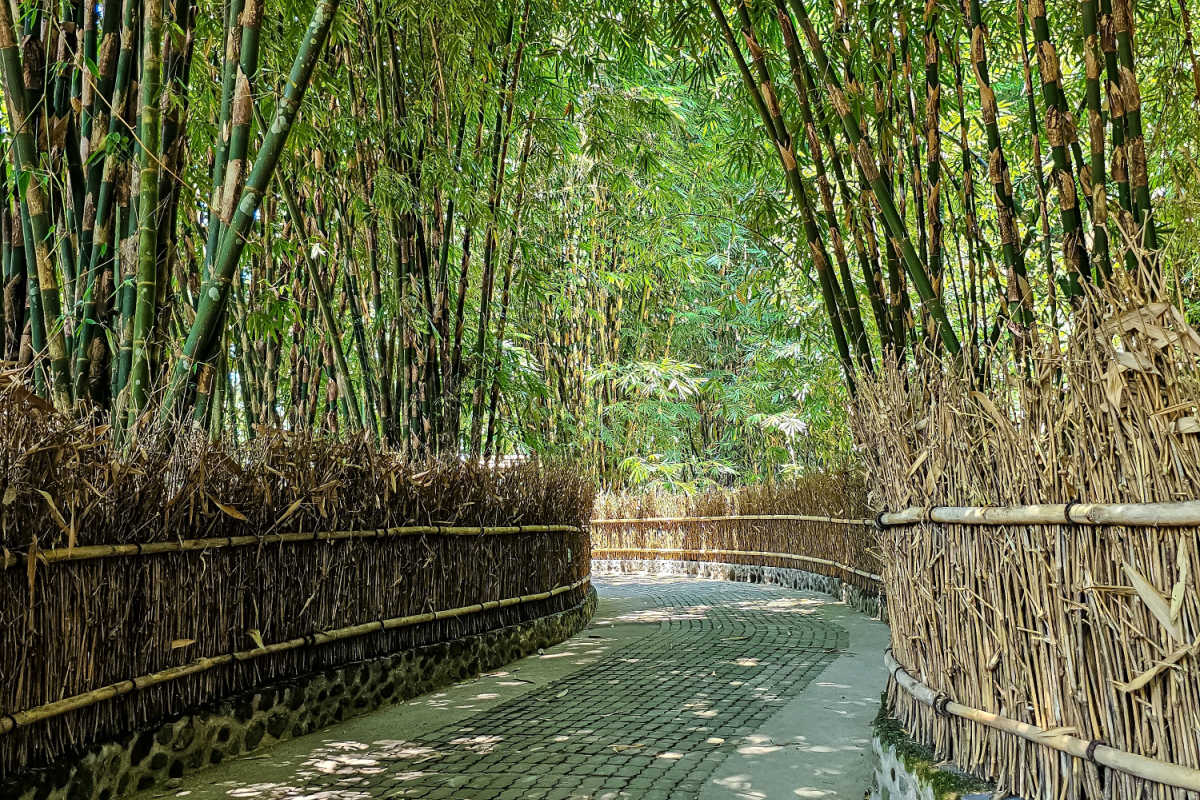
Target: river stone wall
<point x="286" y="710"/>
<point x="872" y="604"/>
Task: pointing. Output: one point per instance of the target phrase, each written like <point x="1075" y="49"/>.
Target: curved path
<point x="680" y="688"/>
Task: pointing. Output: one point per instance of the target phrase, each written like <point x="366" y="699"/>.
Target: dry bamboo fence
<point x="784" y="525"/>
<point x="226" y="568"/>
<point x="1078" y="619"/>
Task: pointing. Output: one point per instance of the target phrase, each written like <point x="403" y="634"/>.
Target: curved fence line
<point x="760" y="553"/>
<point x="10" y="722"/>
<point x="1184" y="513"/>
<point x="832" y="546"/>
<point x="61" y="554"/>
<point x="1130" y="763"/>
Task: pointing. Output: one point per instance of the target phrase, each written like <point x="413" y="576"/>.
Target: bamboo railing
<point x="1095" y="751"/>
<point x="1172" y="515"/>
<point x="10" y="722"/>
<point x="1162" y="515"/>
<point x="63" y="554"/>
<point x="833" y="546"/>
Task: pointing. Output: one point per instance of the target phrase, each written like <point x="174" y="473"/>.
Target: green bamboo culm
<point x="229" y="73"/>
<point x="97" y="242"/>
<point x="149" y="166"/>
<point x="204" y="332"/>
<point x="1135" y="143"/>
<point x="34" y="205"/>
<point x="767" y="104"/>
<point x="1060" y="130"/>
<point x="1097" y="178"/>
<point x="882" y="192"/>
<point x="1020" y="295"/>
<point x="233" y="144"/>
<point x="825" y="191"/>
<point x="345" y="385"/>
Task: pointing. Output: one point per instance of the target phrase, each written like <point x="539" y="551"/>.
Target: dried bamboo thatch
<point x="1087" y="630"/>
<point x="814" y="523"/>
<point x="72" y="626"/>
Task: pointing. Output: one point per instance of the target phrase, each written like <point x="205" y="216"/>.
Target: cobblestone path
<point x="653" y="717"/>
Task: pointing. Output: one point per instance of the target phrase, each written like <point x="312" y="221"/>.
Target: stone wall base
<point x="286" y="710"/>
<point x="905" y="770"/>
<point x="873" y="605"/>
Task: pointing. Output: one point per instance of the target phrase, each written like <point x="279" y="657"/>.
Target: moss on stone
<point x="922" y="762"/>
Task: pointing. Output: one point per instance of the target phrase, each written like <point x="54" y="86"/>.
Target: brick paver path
<point x="651" y="719"/>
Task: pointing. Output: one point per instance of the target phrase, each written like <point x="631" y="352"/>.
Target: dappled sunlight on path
<point x="674" y="684"/>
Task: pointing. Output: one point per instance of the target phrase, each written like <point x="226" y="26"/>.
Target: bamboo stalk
<point x="10" y="722"/>
<point x="90" y="552"/>
<point x="757" y="553"/>
<point x="1130" y="763"/>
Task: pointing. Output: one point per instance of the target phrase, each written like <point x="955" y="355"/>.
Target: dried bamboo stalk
<point x="1130" y="763"/>
<point x="86" y="553"/>
<point x="756" y="553"/>
<point x="10" y="722"/>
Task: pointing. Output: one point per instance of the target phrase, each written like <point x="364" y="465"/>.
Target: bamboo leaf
<point x="228" y="510"/>
<point x="1177" y="592"/>
<point x="292" y="509"/>
<point x="1153" y="600"/>
<point x="58" y="518"/>
<point x="1150" y="674"/>
<point x="1186" y="425"/>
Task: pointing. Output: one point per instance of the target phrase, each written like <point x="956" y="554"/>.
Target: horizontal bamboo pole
<point x="1181" y="514"/>
<point x="733" y="517"/>
<point x="183" y="545"/>
<point x="10" y="722"/>
<point x="1130" y="763"/>
<point x="758" y="553"/>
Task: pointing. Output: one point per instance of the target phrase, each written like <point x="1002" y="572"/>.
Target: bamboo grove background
<point x="482" y="228"/>
<point x="563" y="229"/>
<point x="73" y="626"/>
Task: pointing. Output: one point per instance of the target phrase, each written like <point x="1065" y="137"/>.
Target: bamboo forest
<point x="351" y="349"/>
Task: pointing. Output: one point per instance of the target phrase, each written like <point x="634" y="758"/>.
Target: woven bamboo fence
<point x="137" y="586"/>
<point x="817" y="523"/>
<point x="1086" y="630"/>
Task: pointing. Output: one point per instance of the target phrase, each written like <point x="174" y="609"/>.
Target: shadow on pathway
<point x="680" y="688"/>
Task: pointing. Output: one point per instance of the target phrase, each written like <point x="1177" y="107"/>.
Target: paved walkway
<point x="680" y="688"/>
